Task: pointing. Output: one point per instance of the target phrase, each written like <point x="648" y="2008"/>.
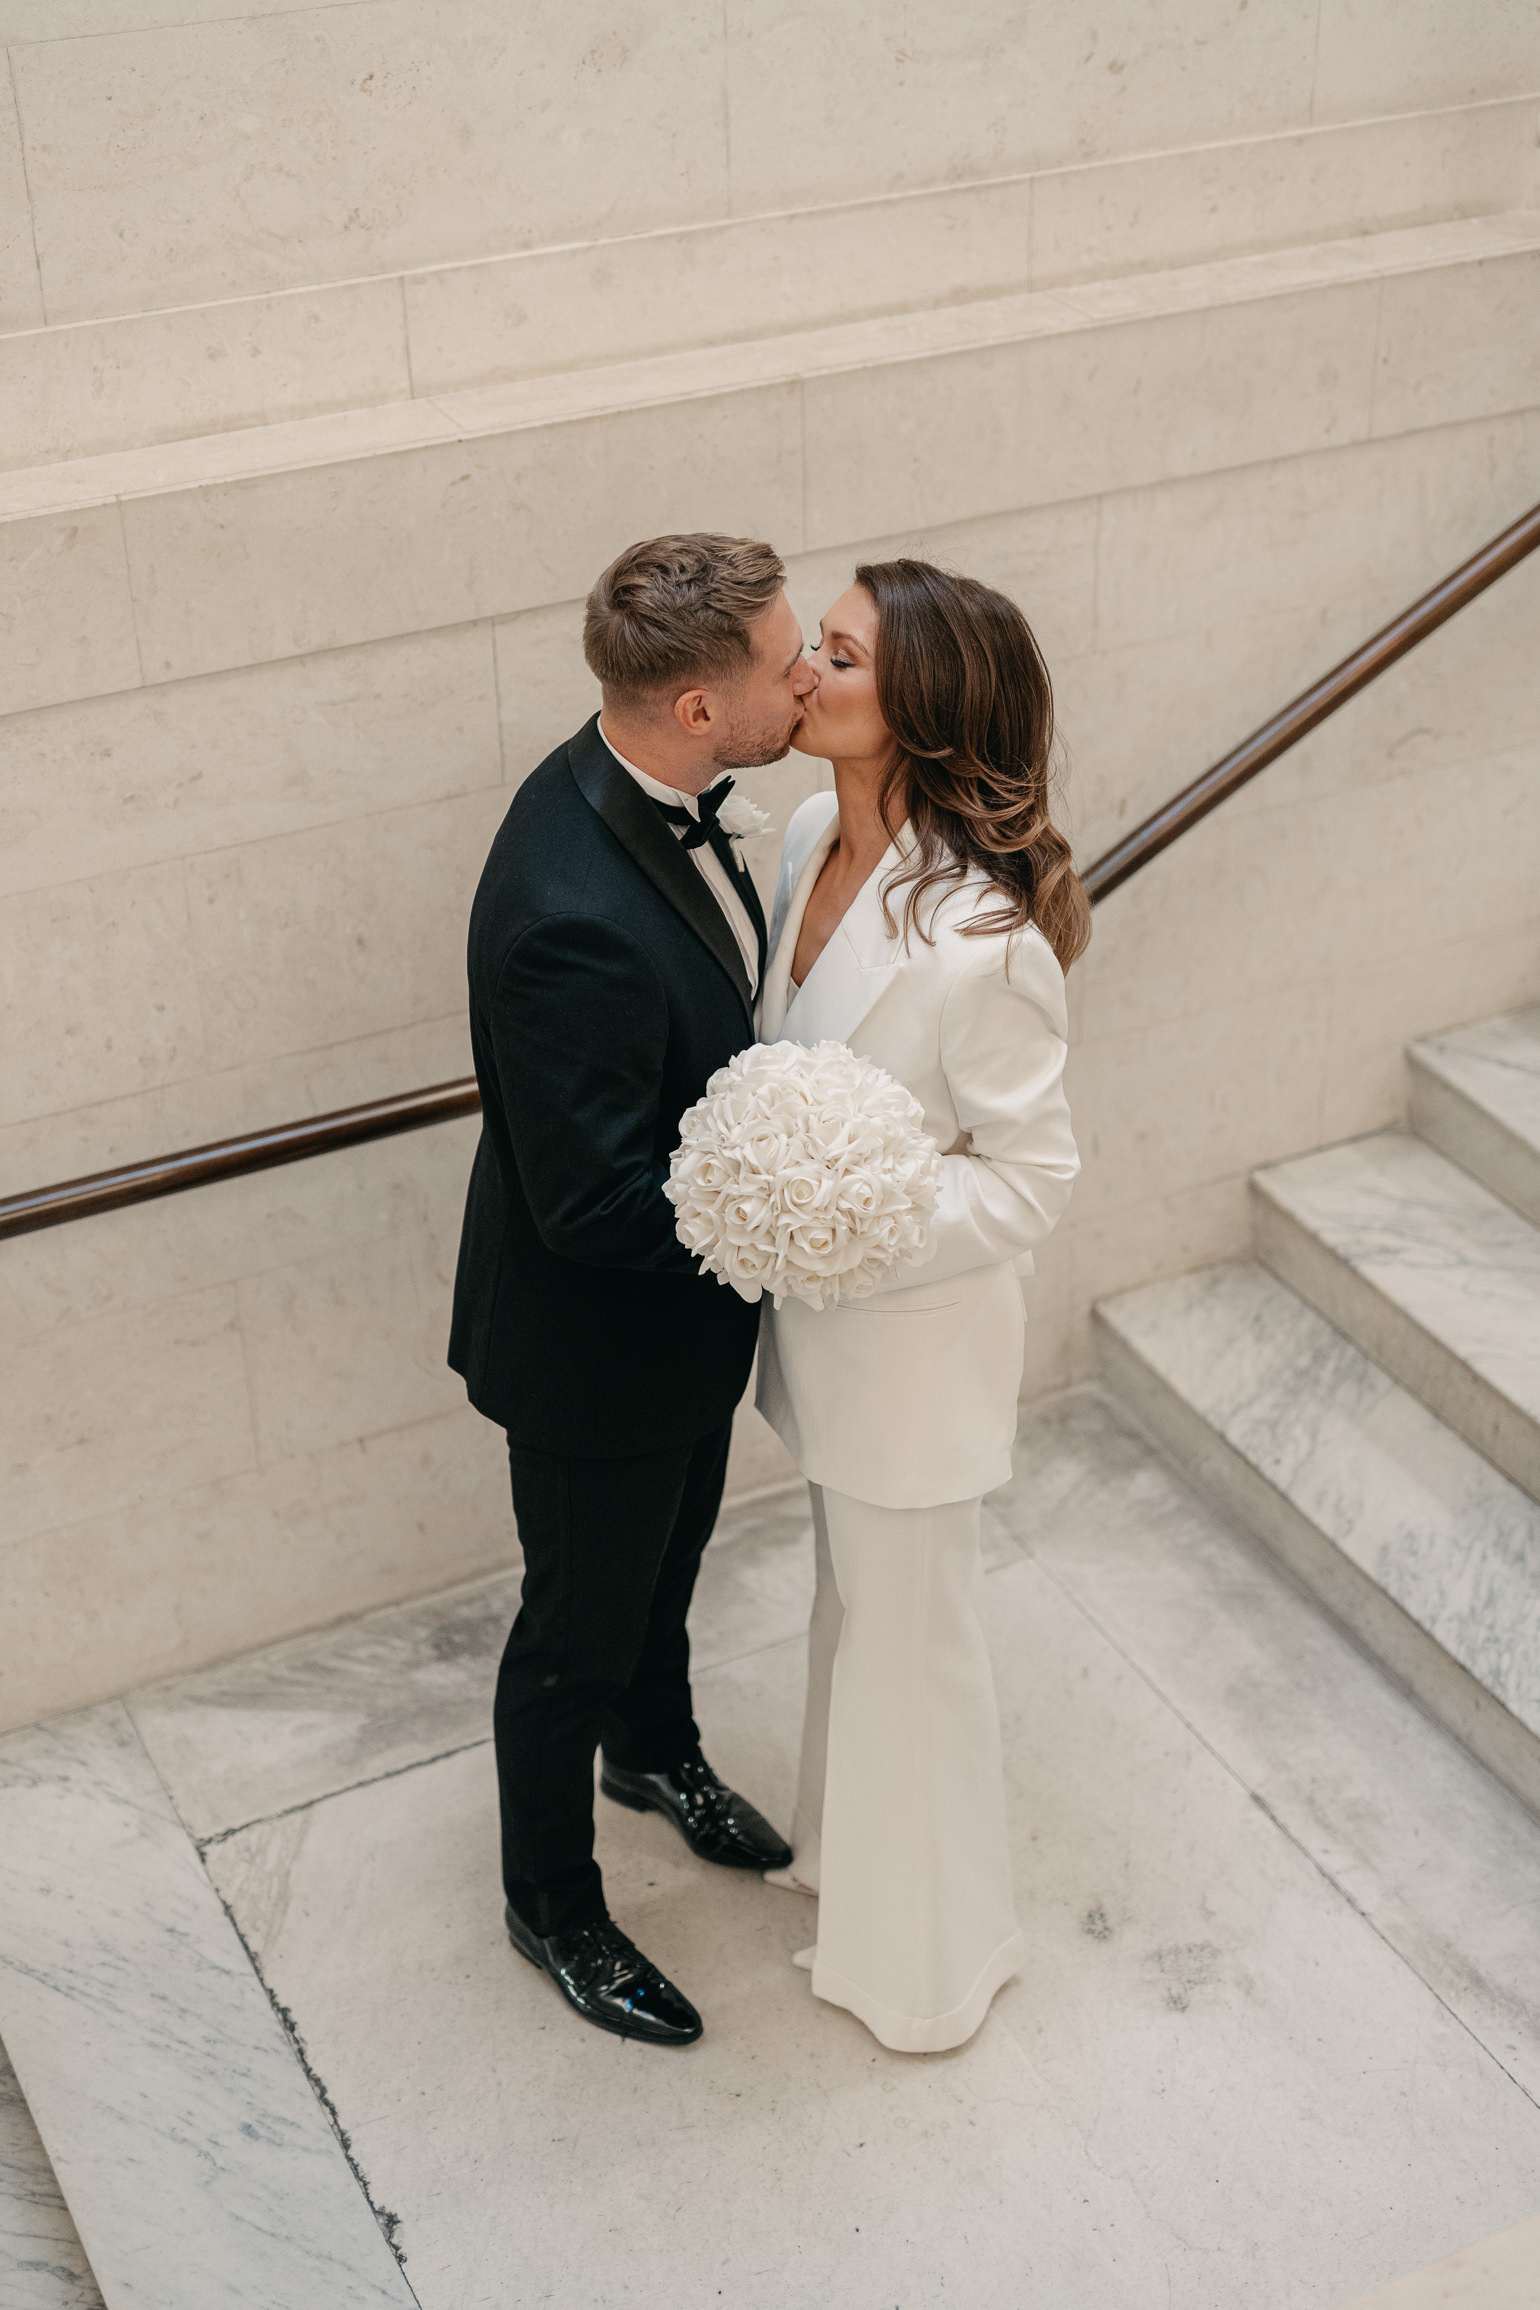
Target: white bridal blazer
<point x="908" y="1398"/>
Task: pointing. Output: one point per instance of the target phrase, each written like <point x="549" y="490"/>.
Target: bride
<point x="926" y="913"/>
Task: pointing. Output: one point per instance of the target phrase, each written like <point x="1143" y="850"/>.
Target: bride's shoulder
<point x="807" y="822"/>
<point x="1022" y="960"/>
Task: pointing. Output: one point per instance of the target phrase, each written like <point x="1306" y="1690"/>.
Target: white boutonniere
<point x="740" y="817"/>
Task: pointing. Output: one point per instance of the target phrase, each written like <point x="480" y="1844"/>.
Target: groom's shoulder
<point x="547" y="819"/>
<point x="543" y="852"/>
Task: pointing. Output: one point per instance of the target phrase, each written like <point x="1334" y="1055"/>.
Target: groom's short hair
<point x="674" y="612"/>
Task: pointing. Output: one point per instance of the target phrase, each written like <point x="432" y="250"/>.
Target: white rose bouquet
<point x="803" y="1172"/>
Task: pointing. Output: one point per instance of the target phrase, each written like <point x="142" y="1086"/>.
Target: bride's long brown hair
<point x="962" y="687"/>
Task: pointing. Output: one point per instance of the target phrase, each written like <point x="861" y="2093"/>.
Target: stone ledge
<point x="241" y="548"/>
<point x="380" y="429"/>
<point x="88" y="387"/>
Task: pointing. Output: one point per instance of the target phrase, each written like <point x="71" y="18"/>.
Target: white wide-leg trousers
<point x="900" y="1818"/>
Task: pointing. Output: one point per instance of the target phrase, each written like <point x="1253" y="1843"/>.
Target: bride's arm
<point x="1003" y="1046"/>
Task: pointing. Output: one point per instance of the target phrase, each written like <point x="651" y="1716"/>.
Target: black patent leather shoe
<point x="714" y="1821"/>
<point x="606" y="1978"/>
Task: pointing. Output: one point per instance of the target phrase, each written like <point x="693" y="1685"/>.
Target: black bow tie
<point x="698" y="831"/>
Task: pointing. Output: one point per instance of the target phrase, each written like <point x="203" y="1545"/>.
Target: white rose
<point x="747" y="1268"/>
<point x="741" y="817"/>
<point x="761" y="1148"/>
<point x="857" y="1196"/>
<point x="745" y="1216"/>
<point x="802" y="1190"/>
<point x="820" y="1240"/>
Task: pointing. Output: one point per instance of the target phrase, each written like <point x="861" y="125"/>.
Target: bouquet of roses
<point x="803" y="1172"/>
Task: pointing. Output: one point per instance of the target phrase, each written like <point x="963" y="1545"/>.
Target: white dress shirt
<point x="714" y="873"/>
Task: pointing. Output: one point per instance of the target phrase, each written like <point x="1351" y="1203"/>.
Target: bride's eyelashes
<point x="844" y="665"/>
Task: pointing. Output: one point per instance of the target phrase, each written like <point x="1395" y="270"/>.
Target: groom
<point x="616" y="951"/>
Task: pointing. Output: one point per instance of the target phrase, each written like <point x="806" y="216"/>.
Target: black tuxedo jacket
<point x="605" y="987"/>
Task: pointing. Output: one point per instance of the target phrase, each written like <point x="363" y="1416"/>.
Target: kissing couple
<point x="618" y="957"/>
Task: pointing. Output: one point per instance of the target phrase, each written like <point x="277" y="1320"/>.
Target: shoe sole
<point x="635" y="1804"/>
<point x="597" y="2021"/>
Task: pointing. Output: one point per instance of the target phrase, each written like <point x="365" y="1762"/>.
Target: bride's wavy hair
<point x="963" y="689"/>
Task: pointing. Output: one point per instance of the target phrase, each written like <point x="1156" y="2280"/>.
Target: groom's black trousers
<point x="598" y="1653"/>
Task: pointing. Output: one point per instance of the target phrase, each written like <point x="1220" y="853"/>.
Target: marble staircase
<point x="1476" y="1097"/>
<point x="1365" y="1392"/>
<point x="1278" y="2042"/>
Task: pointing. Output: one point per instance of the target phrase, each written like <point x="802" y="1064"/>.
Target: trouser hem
<point x="549" y="1913"/>
<point x="909" y="2033"/>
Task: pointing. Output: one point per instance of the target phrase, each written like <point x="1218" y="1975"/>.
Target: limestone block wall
<point x="291" y="566"/>
<point x="215" y="216"/>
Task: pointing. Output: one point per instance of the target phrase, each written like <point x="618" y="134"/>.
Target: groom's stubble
<point x="751" y="745"/>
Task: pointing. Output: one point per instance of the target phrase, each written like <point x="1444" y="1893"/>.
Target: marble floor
<point x="43" y="2265"/>
<point x="1277" y="2045"/>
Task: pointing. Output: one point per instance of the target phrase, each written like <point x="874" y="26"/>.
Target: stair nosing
<point x="1391" y="1330"/>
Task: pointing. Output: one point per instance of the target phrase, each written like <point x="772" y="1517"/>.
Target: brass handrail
<point x="443" y="1102"/>
<point x="1312" y="706"/>
<point x="233" y="1158"/>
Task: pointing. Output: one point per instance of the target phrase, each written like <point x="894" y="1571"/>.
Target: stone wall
<point x="1213" y="344"/>
<point x="215" y="217"/>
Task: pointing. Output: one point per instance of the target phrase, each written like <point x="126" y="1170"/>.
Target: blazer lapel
<point x="636" y="825"/>
<point x="778" y="993"/>
<point x="856" y="967"/>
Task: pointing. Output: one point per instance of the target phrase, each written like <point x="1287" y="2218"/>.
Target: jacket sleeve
<point x="1003" y="1047"/>
<point x="579" y="1026"/>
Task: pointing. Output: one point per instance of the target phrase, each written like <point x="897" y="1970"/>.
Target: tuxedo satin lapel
<point x="743" y="883"/>
<point x="635" y="824"/>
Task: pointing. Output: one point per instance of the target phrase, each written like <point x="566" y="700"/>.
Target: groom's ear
<point x="695" y="711"/>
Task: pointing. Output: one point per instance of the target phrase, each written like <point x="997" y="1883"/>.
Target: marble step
<point x="1428" y="1272"/>
<point x="1476" y="1096"/>
<point x="1411" y="1540"/>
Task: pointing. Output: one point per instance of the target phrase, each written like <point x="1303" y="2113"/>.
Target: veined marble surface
<point x="197" y="2163"/>
<point x="1427" y="1518"/>
<point x="282" y="1727"/>
<point x="1215" y="2082"/>
<point x="279" y="1728"/>
<point x="43" y="2265"/>
<point x="1496" y="1063"/>
<point x="1278" y="2040"/>
<point x="1476" y="1095"/>
<point x="1396" y="1815"/>
<point x="1447" y="1277"/>
<point x="1496" y="2274"/>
